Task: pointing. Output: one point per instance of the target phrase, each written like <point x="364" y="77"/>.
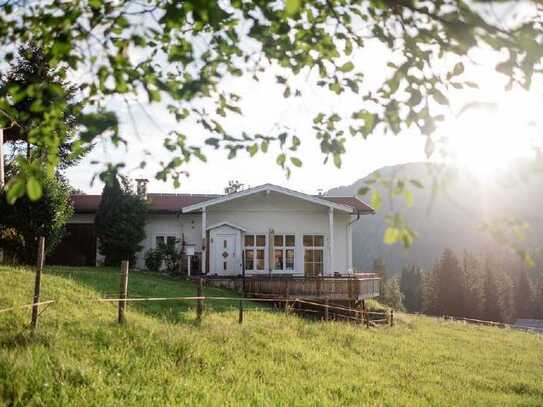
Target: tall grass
<point x="80" y="356"/>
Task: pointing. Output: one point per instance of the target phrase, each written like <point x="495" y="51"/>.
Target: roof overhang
<point x="268" y="188"/>
<point x="232" y="225"/>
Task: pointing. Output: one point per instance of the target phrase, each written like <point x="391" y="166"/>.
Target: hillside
<point x="450" y="219"/>
<point x="80" y="356"/>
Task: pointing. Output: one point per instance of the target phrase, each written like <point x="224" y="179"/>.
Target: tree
<point x="149" y="48"/>
<point x="492" y="309"/>
<point x="47" y="92"/>
<point x="411" y="286"/>
<point x="449" y="286"/>
<point x="24" y="222"/>
<point x="120" y="222"/>
<point x="524" y="297"/>
<point x="474" y="292"/>
<point x="392" y="295"/>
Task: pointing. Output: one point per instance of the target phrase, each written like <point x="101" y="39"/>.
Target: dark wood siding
<point x="77" y="247"/>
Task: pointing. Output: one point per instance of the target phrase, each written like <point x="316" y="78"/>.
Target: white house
<point x="264" y="230"/>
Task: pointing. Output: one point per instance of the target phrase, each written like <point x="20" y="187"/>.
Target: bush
<point x="171" y="256"/>
<point x="23" y="222"/>
<point x="153" y="259"/>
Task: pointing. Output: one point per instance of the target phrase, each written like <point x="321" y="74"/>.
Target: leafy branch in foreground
<point x="180" y="53"/>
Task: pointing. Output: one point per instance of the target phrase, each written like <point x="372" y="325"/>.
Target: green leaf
<point x="33" y="189"/>
<point x="253" y="149"/>
<point x="16" y="189"/>
<point x="346" y="67"/>
<point x="337" y="160"/>
<point x="363" y="191"/>
<point x="296" y="161"/>
<point x="376" y="200"/>
<point x="391" y="235"/>
<point x="292" y="6"/>
<point x="281" y="159"/>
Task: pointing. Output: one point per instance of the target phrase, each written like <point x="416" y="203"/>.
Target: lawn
<point x="80" y="356"/>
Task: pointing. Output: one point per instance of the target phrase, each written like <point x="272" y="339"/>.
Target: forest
<point x="489" y="287"/>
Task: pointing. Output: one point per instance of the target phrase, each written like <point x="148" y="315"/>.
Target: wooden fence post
<point x="326" y="310"/>
<point x="362" y="312"/>
<point x="241" y="312"/>
<point x="123" y="291"/>
<point x="391" y="317"/>
<point x="37" y="283"/>
<point x="199" y="302"/>
<point x="286" y="296"/>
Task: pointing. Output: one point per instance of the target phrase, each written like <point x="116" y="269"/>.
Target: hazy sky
<point x="264" y="108"/>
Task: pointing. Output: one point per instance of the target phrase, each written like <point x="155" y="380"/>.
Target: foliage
<point x="491" y="289"/>
<point x="411" y="287"/>
<point x="524" y="297"/>
<point x="46" y="91"/>
<point x="149" y="49"/>
<point x="120" y="222"/>
<point x="392" y="295"/>
<point x="153" y="259"/>
<point x="24" y="222"/>
<point x="78" y="354"/>
<point x="167" y="255"/>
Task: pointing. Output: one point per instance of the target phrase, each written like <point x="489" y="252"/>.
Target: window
<point x="170" y="241"/>
<point x="283" y="252"/>
<point x="313" y="255"/>
<point x="255" y="249"/>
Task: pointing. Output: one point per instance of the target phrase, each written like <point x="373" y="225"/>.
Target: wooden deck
<point x="345" y="288"/>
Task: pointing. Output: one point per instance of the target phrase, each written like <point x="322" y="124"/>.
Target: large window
<point x="160" y="240"/>
<point x="313" y="255"/>
<point x="283" y="252"/>
<point x="255" y="252"/>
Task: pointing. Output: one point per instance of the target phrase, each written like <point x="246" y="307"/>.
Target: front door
<point x="224" y="253"/>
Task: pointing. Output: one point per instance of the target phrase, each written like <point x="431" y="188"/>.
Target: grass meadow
<point x="80" y="356"/>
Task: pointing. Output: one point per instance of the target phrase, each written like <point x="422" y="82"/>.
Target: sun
<point x="486" y="138"/>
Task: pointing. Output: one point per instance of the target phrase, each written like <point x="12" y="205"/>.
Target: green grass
<point x="80" y="356"/>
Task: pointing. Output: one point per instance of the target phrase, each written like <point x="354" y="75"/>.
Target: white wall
<point x="257" y="214"/>
<point x="286" y="215"/>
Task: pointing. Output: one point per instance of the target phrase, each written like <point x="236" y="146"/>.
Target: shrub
<point x="153" y="259"/>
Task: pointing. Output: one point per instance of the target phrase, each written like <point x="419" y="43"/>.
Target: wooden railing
<point x="352" y="287"/>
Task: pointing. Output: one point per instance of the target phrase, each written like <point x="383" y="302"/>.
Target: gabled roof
<point x="339" y="203"/>
<point x="176" y="203"/>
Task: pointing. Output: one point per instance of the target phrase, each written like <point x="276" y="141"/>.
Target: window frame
<point x="313" y="248"/>
<point x="255" y="249"/>
<point x="284" y="247"/>
<point x="165" y="238"/>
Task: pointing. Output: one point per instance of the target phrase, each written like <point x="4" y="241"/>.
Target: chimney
<point x="141" y="187"/>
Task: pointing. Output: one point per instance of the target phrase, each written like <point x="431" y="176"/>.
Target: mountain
<point x="449" y="212"/>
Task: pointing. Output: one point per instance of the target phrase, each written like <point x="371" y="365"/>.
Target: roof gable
<point x="319" y="200"/>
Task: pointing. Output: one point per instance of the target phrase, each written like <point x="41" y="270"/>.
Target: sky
<point x="482" y="138"/>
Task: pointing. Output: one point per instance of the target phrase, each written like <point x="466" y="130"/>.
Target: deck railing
<point x="351" y="287"/>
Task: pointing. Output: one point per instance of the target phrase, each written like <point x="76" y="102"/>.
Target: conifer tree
<point x="411" y="286"/>
<point x="120" y="222"/>
<point x="491" y="309"/>
<point x="524" y="306"/>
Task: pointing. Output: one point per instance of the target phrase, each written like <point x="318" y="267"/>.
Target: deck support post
<point x="204" y="242"/>
<point x="240" y="312"/>
<point x="326" y="309"/>
<point x="331" y="240"/>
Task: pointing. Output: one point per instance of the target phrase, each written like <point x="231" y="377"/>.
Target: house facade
<point x="266" y="230"/>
